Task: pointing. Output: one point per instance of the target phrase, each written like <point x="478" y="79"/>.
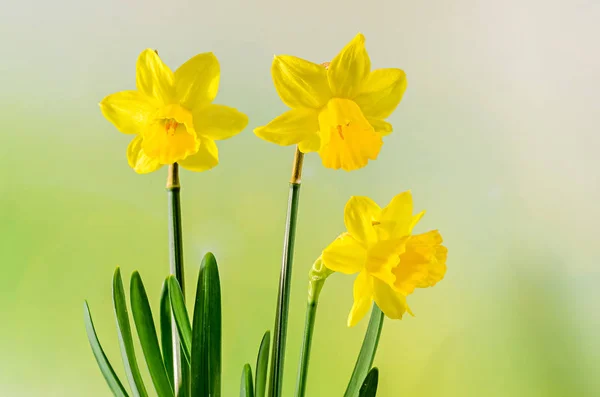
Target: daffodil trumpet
<point x="285" y="278"/>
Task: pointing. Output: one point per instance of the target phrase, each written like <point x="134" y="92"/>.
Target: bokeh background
<point x="497" y="137"/>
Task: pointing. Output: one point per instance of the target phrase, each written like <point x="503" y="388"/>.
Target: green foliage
<point x="166" y="331"/>
<point x="246" y="388"/>
<point x="181" y="316"/>
<point x="200" y="342"/>
<point x="111" y="377"/>
<point x="206" y="338"/>
<point x="144" y="323"/>
<point x="262" y="366"/>
<point x="367" y="353"/>
<point x="125" y="338"/>
<point x="369" y="386"/>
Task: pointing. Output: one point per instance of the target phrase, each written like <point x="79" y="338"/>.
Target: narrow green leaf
<point x="166" y="336"/>
<point x="111" y="377"/>
<point x="184" y="391"/>
<point x="144" y="323"/>
<point x="206" y="338"/>
<point x="246" y="388"/>
<point x="367" y="353"/>
<point x="181" y="316"/>
<point x="262" y="366"/>
<point x="125" y="340"/>
<point x="369" y="386"/>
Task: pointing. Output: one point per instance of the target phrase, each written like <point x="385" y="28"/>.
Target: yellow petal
<point x="310" y="144"/>
<point x="197" y="81"/>
<point x="349" y="69"/>
<point x="154" y="78"/>
<point x="363" y="297"/>
<point x="218" y="121"/>
<point x="416" y="220"/>
<point x="410" y="272"/>
<point x="300" y="83"/>
<point x="138" y="160"/>
<point x="359" y="216"/>
<point x="380" y="126"/>
<point x="345" y="255"/>
<point x="348" y="141"/>
<point x="423" y="264"/>
<point x="129" y="111"/>
<point x="397" y="217"/>
<point x="206" y="158"/>
<point x="392" y="303"/>
<point x="381" y="92"/>
<point x="383" y="257"/>
<point x="291" y="127"/>
<point x="171" y="137"/>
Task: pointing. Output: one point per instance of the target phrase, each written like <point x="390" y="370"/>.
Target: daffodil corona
<point x="171" y="114"/>
<point x="338" y="109"/>
<point x="389" y="260"/>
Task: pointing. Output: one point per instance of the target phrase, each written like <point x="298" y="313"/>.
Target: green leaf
<point x="107" y="370"/>
<point x="181" y="316"/>
<point x="166" y="336"/>
<point x="125" y="340"/>
<point x="262" y="366"/>
<point x="367" y="353"/>
<point x="246" y="388"/>
<point x="185" y="381"/>
<point x="144" y="323"/>
<point x="206" y="338"/>
<point x="369" y="386"/>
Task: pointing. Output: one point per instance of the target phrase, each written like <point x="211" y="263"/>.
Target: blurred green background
<point x="497" y="137"/>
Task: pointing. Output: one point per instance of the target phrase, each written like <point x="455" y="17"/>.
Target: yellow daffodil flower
<point x="389" y="260"/>
<point x="171" y="114"/>
<point x="337" y="110"/>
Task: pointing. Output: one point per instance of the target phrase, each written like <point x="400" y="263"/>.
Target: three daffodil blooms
<point x="171" y="114"/>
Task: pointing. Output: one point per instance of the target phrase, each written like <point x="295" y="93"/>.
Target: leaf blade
<point x="367" y="353"/>
<point x="144" y="323"/>
<point x="246" y="387"/>
<point x="107" y="370"/>
<point x="166" y="335"/>
<point x="369" y="386"/>
<point x="206" y="338"/>
<point x="180" y="313"/>
<point x="125" y="339"/>
<point x="262" y="366"/>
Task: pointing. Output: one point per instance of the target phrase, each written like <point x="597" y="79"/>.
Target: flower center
<point x="171" y="126"/>
<point x="348" y="139"/>
<point x="171" y="137"/>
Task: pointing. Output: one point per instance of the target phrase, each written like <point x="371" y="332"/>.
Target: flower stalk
<point x="283" y="298"/>
<point x="317" y="276"/>
<point x="176" y="264"/>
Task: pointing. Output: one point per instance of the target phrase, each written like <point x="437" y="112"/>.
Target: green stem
<point x="283" y="298"/>
<point x="176" y="266"/>
<point x="316" y="280"/>
<point x="309" y="326"/>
